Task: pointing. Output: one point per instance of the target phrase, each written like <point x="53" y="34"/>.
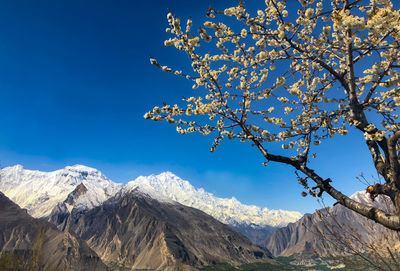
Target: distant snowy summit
<point x="228" y="211"/>
<point x="39" y="192"/>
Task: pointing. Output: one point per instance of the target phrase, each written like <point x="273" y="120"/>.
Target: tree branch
<point x="377" y="215"/>
<point x="394" y="159"/>
<point x="379" y="163"/>
<point x="376" y="84"/>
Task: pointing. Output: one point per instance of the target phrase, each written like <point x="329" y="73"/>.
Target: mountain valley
<point x="161" y="222"/>
<point x="133" y="227"/>
<point x="39" y="192"/>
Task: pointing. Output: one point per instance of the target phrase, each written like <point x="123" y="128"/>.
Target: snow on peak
<point x="142" y="186"/>
<point x="81" y="168"/>
<point x="230" y="211"/>
<point x="382" y="201"/>
<point x="168" y="174"/>
<point x="361" y="196"/>
<point x="40" y="191"/>
<point x="18" y="167"/>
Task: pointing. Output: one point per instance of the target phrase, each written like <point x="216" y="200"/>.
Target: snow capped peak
<point x="167" y="179"/>
<point x="361" y="196"/>
<point x="84" y="172"/>
<point x="40" y="191"/>
<point x="142" y="186"/>
<point x="381" y="201"/>
<point x="230" y="211"/>
<point x="167" y="175"/>
<point x="81" y="168"/>
<point x="16" y="167"/>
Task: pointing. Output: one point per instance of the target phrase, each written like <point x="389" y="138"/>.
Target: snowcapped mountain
<point x="144" y="189"/>
<point x="39" y="192"/>
<point x="229" y="211"/>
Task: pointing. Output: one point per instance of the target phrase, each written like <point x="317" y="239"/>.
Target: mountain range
<point x="161" y="222"/>
<point x="39" y="192"/>
<point x="128" y="226"/>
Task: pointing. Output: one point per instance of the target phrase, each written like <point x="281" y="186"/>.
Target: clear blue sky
<point x="75" y="81"/>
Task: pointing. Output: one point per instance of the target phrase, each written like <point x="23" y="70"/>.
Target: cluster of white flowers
<point x="377" y="136"/>
<point x="343" y="20"/>
<point x="370" y="128"/>
<point x="235" y="11"/>
<point x="242" y="77"/>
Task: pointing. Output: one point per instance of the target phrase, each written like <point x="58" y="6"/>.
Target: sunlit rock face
<point x="305" y="236"/>
<point x="137" y="231"/>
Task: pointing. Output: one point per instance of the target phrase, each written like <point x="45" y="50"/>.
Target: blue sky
<point x="75" y="81"/>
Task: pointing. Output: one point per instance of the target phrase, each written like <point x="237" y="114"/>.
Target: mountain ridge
<point x="17" y="183"/>
<point x="39" y="192"/>
<point x="136" y="231"/>
<point x="229" y="211"/>
<point x="332" y="230"/>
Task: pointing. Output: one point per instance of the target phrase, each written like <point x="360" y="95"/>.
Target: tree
<point x="358" y="242"/>
<point x="342" y="72"/>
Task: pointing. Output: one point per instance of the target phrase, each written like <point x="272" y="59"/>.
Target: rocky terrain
<point x="137" y="231"/>
<point x="32" y="244"/>
<point x="162" y="222"/>
<point x="332" y="230"/>
<point x="39" y="192"/>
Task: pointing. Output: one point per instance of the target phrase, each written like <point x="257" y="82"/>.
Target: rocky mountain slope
<point x="256" y="233"/>
<point x="32" y="244"/>
<point x="39" y="192"/>
<point x="332" y="231"/>
<point x="136" y="231"/>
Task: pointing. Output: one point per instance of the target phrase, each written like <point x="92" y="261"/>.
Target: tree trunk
<point x="396" y="202"/>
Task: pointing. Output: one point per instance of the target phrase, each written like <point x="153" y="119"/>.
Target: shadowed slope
<point x="136" y="231"/>
<point x="39" y="245"/>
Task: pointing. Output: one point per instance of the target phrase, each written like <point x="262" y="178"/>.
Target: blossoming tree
<point x="338" y="69"/>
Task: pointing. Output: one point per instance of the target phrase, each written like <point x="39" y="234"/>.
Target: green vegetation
<point x="12" y="262"/>
<point x="248" y="267"/>
<point x="22" y="261"/>
<point x="295" y="263"/>
<point x="117" y="267"/>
